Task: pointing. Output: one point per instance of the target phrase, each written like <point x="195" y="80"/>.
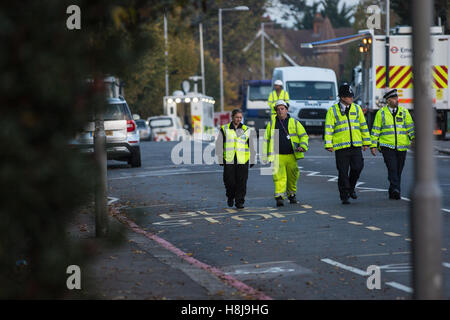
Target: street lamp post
<point x="426" y="218"/>
<point x="239" y="8"/>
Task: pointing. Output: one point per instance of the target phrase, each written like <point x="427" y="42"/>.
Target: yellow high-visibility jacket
<point x="273" y="98"/>
<point x="236" y="145"/>
<point x="392" y="132"/>
<point x="343" y="131"/>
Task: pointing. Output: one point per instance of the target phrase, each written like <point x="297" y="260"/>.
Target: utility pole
<point x="263" y="66"/>
<point x="202" y="59"/>
<point x="426" y="218"/>
<point x="166" y="54"/>
<point x="238" y="8"/>
<point x="101" y="205"/>
<point x="387" y="42"/>
<point x="221" y="61"/>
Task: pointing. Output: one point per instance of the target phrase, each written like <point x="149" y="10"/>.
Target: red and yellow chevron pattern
<point x="400" y="77"/>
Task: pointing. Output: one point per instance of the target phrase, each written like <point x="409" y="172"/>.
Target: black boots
<point x="394" y="195"/>
<point x="292" y="199"/>
<point x="280" y="201"/>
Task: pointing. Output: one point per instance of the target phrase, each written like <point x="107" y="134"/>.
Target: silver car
<point x="122" y="136"/>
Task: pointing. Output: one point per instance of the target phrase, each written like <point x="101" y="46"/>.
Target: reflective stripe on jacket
<point x="392" y="133"/>
<point x="342" y="131"/>
<point x="273" y="98"/>
<point x="236" y="144"/>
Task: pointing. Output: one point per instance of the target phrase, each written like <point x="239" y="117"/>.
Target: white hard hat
<point x="281" y="103"/>
<point x="278" y="83"/>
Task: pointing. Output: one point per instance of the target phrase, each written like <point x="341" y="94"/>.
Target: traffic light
<point x="364" y="47"/>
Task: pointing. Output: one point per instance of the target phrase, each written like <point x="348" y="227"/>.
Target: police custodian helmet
<point x="345" y="91"/>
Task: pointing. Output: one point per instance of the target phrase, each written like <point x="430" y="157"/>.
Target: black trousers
<point x="348" y="159"/>
<point x="395" y="161"/>
<point x="235" y="179"/>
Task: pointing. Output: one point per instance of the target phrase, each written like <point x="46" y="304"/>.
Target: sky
<point x="275" y="13"/>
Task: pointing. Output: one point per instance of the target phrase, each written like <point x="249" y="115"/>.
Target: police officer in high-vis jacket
<point x="346" y="132"/>
<point x="284" y="152"/>
<point x="393" y="133"/>
<point x="277" y="94"/>
<point x="234" y="154"/>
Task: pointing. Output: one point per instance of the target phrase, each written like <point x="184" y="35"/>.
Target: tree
<point x="46" y="100"/>
<point x="303" y="14"/>
<point x="404" y="11"/>
<point x="339" y="18"/>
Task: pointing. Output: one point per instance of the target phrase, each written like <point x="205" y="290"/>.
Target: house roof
<point x="289" y="40"/>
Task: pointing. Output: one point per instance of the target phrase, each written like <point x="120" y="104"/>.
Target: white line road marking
<point x="277" y="215"/>
<point x="343" y="266"/>
<point x="212" y="220"/>
<point x="321" y="212"/>
<point x="356" y="223"/>
<point x="111" y="200"/>
<point x="392" y="234"/>
<point x="399" y="286"/>
<point x="373" y="228"/>
<point x="337" y="217"/>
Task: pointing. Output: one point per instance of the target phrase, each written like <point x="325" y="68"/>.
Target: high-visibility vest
<point x="392" y="132"/>
<point x="342" y="131"/>
<point x="236" y="144"/>
<point x="297" y="134"/>
<point x="273" y="98"/>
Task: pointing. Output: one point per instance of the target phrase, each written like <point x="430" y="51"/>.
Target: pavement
<point x="130" y="266"/>
<point x="175" y="239"/>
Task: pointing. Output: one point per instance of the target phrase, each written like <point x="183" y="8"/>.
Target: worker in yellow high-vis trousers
<point x="277" y="94"/>
<point x="284" y="152"/>
<point x="393" y="133"/>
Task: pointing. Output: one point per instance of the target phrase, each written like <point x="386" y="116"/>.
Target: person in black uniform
<point x="235" y="153"/>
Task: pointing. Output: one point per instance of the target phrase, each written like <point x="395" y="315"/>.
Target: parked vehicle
<point x="144" y="129"/>
<point x="387" y="63"/>
<point x="312" y="91"/>
<point x="255" y="94"/>
<point x="167" y="128"/>
<point x="122" y="136"/>
<point x="196" y="112"/>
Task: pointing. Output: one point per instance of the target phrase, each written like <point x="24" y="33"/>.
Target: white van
<point x="311" y="92"/>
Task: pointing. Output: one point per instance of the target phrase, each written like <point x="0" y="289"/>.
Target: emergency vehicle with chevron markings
<point x="394" y="53"/>
<point x="401" y="72"/>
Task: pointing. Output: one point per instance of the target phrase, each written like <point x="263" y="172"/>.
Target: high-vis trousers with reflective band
<point x="285" y="175"/>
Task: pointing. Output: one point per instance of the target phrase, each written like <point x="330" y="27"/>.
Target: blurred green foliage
<point x="46" y="100"/>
